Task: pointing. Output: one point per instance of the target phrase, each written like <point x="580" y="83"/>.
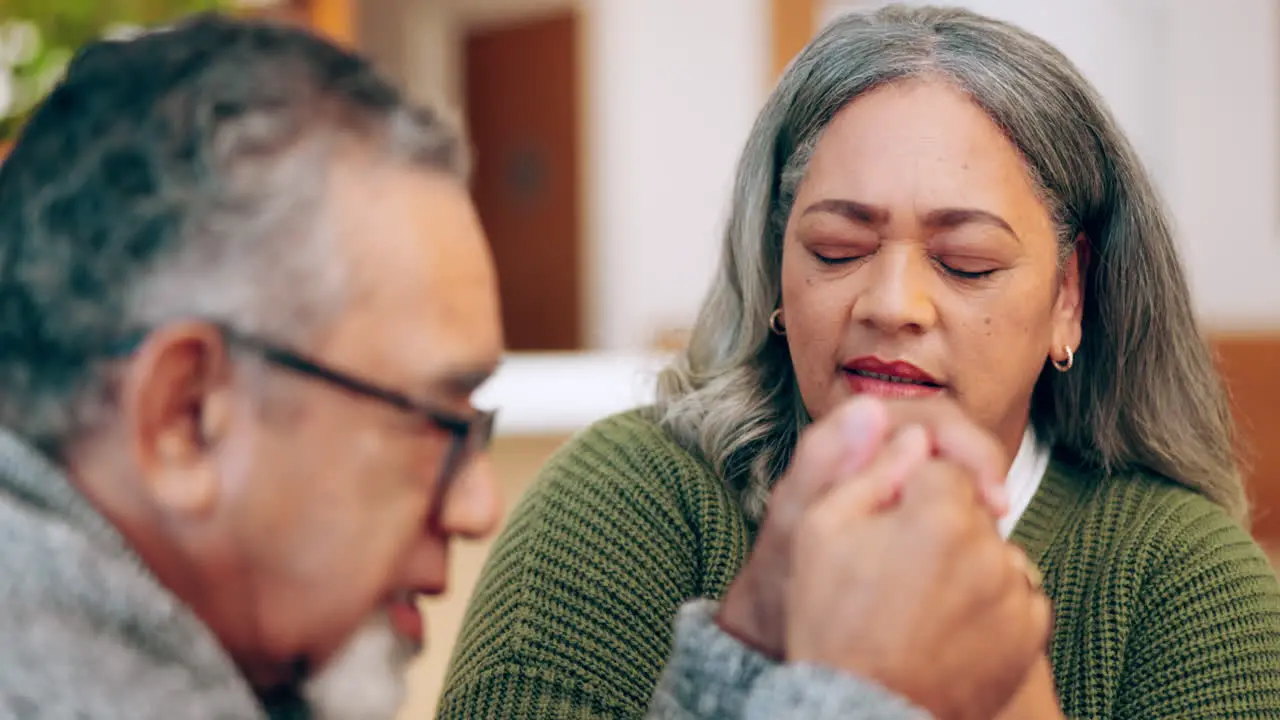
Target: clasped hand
<point x="879" y="556"/>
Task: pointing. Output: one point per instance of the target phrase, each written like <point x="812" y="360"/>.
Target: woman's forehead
<point x="918" y="147"/>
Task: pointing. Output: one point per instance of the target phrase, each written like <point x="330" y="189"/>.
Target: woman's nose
<point x="896" y="296"/>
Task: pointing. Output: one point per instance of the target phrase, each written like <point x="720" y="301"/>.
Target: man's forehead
<point x="423" y="283"/>
<point x="391" y="217"/>
<point x="452" y="354"/>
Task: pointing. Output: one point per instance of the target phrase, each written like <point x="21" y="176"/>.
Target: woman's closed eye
<point x="835" y="257"/>
<point x="841" y="251"/>
<point x="966" y="268"/>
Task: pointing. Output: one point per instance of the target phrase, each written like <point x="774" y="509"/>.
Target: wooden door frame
<point x="334" y="19"/>
<point x="792" y="24"/>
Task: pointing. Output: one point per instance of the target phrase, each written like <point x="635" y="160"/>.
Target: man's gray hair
<point x="1145" y="393"/>
<point x="181" y="174"/>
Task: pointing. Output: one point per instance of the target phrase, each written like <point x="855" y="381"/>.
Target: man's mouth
<point x="406" y="618"/>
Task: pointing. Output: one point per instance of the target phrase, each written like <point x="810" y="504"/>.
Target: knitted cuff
<point x="709" y="674"/>
<point x="794" y="691"/>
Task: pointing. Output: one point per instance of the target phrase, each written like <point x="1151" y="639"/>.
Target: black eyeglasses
<point x="468" y="435"/>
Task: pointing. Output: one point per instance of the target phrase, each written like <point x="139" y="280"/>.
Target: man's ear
<point x="176" y="401"/>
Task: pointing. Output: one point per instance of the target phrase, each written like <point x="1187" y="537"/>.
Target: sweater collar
<point x="1025" y="474"/>
<point x="134" y="604"/>
<point x="33" y="479"/>
<point x="1057" y="501"/>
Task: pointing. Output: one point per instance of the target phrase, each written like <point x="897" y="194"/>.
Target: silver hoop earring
<point x="1065" y="365"/>
<point x="775" y="323"/>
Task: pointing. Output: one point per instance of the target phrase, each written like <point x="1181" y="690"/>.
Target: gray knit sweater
<point x="710" y="676"/>
<point x="87" y="633"/>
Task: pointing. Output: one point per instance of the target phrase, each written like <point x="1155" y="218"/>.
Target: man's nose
<point x="473" y="506"/>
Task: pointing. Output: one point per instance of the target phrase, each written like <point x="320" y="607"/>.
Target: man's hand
<point x="835" y="450"/>
<point x="924" y="598"/>
<point x="1036" y="699"/>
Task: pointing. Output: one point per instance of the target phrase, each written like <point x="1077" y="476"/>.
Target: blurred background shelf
<point x="557" y="394"/>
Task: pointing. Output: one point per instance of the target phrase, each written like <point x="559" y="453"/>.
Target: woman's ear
<point x="1068" y="310"/>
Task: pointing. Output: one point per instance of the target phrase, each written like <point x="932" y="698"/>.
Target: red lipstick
<point x="889" y="379"/>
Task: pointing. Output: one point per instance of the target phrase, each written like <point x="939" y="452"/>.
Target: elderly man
<point x="244" y="302"/>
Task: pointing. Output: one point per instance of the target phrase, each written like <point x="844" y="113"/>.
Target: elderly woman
<point x="931" y="203"/>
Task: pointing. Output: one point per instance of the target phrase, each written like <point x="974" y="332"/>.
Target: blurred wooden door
<point x="1250" y="365"/>
<point x="522" y="112"/>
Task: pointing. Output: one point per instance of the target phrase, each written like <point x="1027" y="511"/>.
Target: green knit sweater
<point x="1165" y="608"/>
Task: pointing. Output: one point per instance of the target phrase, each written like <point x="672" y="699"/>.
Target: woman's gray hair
<point x="1145" y="394"/>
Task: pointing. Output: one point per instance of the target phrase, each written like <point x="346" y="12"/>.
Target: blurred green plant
<point x="39" y="37"/>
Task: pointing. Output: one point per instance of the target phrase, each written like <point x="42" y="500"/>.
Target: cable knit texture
<point x="1165" y="608"/>
<point x="709" y="674"/>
